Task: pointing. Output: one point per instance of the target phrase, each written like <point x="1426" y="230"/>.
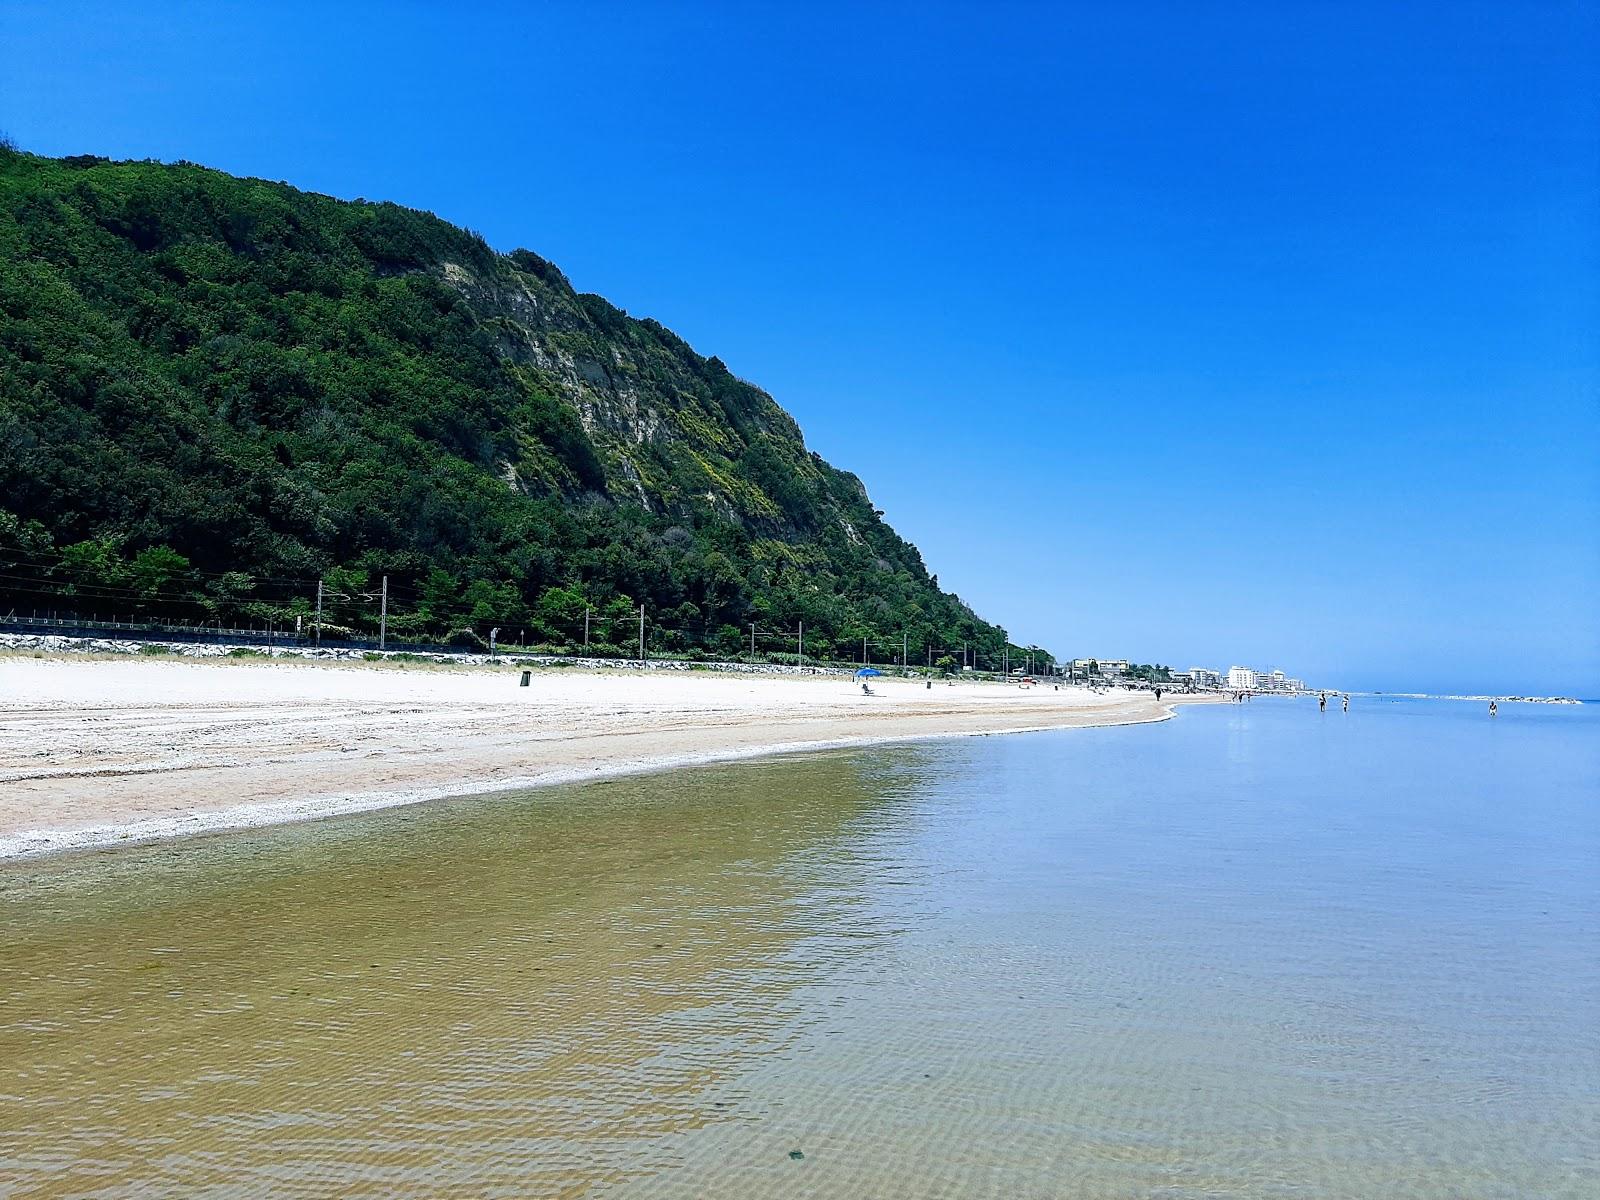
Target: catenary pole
<point x="383" y="615"/>
<point x="319" y="615"/>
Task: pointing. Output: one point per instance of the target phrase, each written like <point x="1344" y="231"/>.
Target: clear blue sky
<point x="1193" y="333"/>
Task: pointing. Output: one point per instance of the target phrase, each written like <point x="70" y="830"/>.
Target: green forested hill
<point x="215" y="391"/>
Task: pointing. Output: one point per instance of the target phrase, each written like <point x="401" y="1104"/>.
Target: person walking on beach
<point x="1158" y="695"/>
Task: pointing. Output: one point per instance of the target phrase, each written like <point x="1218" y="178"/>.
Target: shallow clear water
<point x="1257" y="951"/>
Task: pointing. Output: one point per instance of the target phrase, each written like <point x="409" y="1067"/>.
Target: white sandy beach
<point x="96" y="752"/>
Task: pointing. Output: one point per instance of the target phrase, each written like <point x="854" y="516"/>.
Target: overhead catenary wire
<point x="12" y="550"/>
<point x="295" y="588"/>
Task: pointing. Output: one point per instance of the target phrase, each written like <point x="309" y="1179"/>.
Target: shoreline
<point x="130" y="753"/>
<point x="34" y="844"/>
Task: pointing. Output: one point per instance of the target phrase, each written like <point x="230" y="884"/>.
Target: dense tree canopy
<point x="215" y="392"/>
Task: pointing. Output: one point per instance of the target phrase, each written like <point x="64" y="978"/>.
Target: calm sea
<point x="1257" y="951"/>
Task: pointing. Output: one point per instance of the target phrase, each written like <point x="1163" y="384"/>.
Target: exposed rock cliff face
<point x="671" y="428"/>
<point x="644" y="397"/>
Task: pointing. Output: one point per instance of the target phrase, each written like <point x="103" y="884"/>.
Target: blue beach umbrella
<point x="868" y="671"/>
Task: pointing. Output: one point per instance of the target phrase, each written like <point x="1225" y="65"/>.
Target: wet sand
<point x="96" y="753"/>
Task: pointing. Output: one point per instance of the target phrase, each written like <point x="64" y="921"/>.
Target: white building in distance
<point x="1104" y="666"/>
<point x="1241" y="679"/>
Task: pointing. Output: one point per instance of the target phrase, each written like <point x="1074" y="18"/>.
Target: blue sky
<point x="1191" y="333"/>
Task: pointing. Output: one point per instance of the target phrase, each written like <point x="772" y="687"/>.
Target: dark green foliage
<point x="1149" y="672"/>
<point x="214" y="391"/>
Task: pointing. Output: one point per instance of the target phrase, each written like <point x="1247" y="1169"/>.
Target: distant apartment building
<point x="1241" y="679"/>
<point x="1205" y="678"/>
<point x="1271" y="681"/>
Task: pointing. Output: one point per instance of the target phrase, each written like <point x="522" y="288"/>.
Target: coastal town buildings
<point x="1277" y="681"/>
<point x="1251" y="679"/>
<point x="1235" y="678"/>
<point x="1104" y="667"/>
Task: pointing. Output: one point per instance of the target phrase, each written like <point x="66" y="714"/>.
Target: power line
<point x="69" y="588"/>
<point x="12" y="550"/>
<point x="297" y="586"/>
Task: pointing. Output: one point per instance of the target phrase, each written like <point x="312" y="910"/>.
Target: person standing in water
<point x="1494" y="709"/>
<point x="1322" y="702"/>
<point x="1347" y="703"/>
